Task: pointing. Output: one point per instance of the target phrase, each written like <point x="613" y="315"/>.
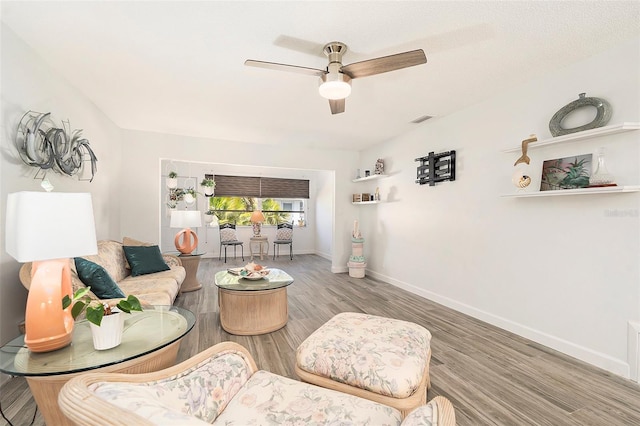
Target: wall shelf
<point x="372" y="177"/>
<point x="579" y="191"/>
<point x="365" y="179"/>
<point x="367" y="202"/>
<point x="573" y="137"/>
<point x="578" y="136"/>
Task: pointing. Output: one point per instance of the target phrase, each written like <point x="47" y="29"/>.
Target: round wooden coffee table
<point x="249" y="307"/>
<point x="150" y="342"/>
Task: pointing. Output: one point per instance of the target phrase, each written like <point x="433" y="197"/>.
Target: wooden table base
<point x="45" y="389"/>
<point x="190" y="282"/>
<point x="248" y="313"/>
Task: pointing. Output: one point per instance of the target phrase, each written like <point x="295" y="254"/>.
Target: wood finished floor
<point x="491" y="376"/>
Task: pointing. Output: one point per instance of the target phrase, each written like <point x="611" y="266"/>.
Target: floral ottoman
<point x="381" y="359"/>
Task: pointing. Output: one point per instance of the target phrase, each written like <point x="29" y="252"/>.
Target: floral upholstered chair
<point x="222" y="385"/>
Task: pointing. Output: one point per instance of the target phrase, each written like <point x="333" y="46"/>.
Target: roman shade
<point x="237" y="186"/>
<point x="262" y="187"/>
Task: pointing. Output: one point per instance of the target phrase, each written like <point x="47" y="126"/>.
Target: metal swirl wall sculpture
<point x="41" y="144"/>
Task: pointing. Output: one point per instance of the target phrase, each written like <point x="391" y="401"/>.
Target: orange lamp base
<point x="47" y="326"/>
<point x="189" y="241"/>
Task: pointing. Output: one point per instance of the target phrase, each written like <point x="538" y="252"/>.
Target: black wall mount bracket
<point x="436" y="168"/>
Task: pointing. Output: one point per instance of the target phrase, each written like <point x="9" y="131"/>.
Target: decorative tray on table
<point x="251" y="271"/>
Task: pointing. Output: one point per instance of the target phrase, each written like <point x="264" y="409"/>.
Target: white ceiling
<point x="177" y="67"/>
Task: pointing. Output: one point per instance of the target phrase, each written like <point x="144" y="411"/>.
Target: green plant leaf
<point x="81" y="293"/>
<point x="66" y="301"/>
<point x="95" y="314"/>
<point x="131" y="303"/>
<point x="77" y="309"/>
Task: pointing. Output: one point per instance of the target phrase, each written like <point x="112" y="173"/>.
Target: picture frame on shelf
<point x="566" y="173"/>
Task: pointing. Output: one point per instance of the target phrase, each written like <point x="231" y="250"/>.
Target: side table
<point x="150" y="342"/>
<point x="261" y="243"/>
<point x="190" y="263"/>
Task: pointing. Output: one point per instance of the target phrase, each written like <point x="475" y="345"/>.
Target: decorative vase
<point x="601" y="177"/>
<point x="208" y="191"/>
<point x="603" y="114"/>
<point x="208" y="218"/>
<point x="108" y="334"/>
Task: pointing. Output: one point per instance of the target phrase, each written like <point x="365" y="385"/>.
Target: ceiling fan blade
<point x="337" y="105"/>
<point x="385" y="64"/>
<point x="285" y="67"/>
<point x="300" y="45"/>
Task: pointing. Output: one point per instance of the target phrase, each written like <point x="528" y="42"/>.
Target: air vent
<point x="421" y="119"/>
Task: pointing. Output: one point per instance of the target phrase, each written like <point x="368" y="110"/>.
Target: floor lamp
<point x="66" y="230"/>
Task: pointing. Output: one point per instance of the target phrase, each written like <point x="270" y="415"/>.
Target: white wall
<point x="29" y="84"/>
<point x="563" y="271"/>
<point x="141" y="218"/>
<point x="324" y="204"/>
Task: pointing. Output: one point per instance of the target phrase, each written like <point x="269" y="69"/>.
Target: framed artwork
<point x="566" y="173"/>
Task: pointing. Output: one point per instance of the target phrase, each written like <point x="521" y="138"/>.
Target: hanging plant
<point x="209" y="216"/>
<point x="189" y="195"/>
<point x="208" y="185"/>
<point x="172" y="180"/>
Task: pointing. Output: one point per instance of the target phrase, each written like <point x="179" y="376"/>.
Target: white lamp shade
<point x="186" y="219"/>
<point x="49" y="225"/>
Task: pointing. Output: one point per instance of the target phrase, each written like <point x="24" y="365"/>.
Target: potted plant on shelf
<point x="106" y="322"/>
<point x="172" y="180"/>
<point x="209" y="185"/>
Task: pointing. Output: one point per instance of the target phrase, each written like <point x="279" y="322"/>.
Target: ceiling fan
<point x="335" y="80"/>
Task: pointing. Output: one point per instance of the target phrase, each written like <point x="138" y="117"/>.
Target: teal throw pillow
<point x="144" y="260"/>
<point x="95" y="276"/>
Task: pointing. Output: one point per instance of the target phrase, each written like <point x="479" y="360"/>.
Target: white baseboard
<point x="334" y="269"/>
<point x="326" y="256"/>
<point x="212" y="255"/>
<point x="582" y="353"/>
<point x="633" y="350"/>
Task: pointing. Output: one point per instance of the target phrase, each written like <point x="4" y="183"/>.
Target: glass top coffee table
<point x="252" y="307"/>
<point x="150" y="342"/>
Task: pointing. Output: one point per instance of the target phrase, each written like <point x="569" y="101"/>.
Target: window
<point x="281" y="200"/>
<point x="238" y="210"/>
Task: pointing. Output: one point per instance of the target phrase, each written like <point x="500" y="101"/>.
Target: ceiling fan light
<point x="334" y="87"/>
